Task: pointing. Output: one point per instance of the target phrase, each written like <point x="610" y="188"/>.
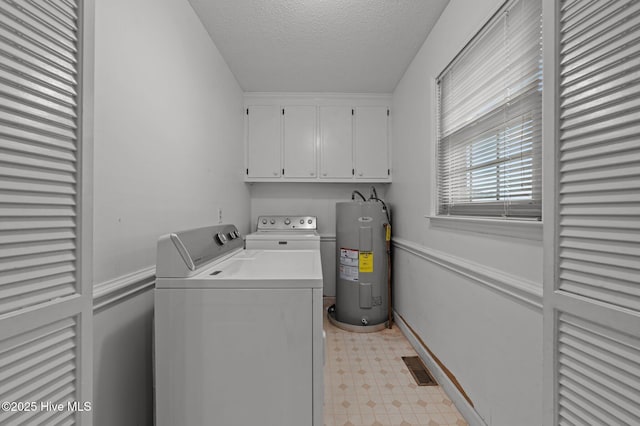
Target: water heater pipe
<point x="387" y="230"/>
<point x="353" y="195"/>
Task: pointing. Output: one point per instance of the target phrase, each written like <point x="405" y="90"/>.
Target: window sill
<point x="515" y="228"/>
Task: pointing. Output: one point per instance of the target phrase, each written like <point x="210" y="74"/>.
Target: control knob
<point x="301" y="221"/>
<point x="221" y="238"/>
<point x="272" y="221"/>
<point x="264" y="221"/>
<point x="287" y="221"/>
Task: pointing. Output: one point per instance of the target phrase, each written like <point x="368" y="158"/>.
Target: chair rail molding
<point x="124" y="287"/>
<point x="516" y="288"/>
<point x="327" y="238"/>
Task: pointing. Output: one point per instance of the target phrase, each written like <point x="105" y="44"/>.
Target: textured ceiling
<point x="358" y="46"/>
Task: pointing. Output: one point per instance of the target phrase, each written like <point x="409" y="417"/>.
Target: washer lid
<point x="256" y="269"/>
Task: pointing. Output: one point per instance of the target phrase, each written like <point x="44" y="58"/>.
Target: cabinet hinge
<point x="353" y="172"/>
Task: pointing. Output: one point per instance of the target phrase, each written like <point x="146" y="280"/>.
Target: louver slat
<point x="27" y="136"/>
<point x="35" y="154"/>
<point x="27" y="161"/>
<point x="595" y="149"/>
<point x="13" y="198"/>
<point x="58" y="15"/>
<point x="10" y="90"/>
<point x="599" y="167"/>
<point x="38" y="365"/>
<point x="32" y="294"/>
<point x="598" y="272"/>
<point x="597" y="249"/>
<point x="34" y="69"/>
<point x="47" y="417"/>
<point x="32" y="173"/>
<point x="36" y="113"/>
<point x="38" y="196"/>
<point x="36" y="248"/>
<point x="23" y="185"/>
<point x="54" y="418"/>
<point x="12" y="76"/>
<point x="610" y="27"/>
<point x="34" y="124"/>
<point x="44" y="29"/>
<point x="599" y="373"/>
<point x="38" y="95"/>
<point x="38" y="272"/>
<point x="43" y="235"/>
<point x="62" y="282"/>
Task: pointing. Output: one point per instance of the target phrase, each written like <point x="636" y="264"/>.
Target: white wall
<point x="123" y="372"/>
<point x="168" y="154"/>
<point x="313" y="199"/>
<point x="168" y="132"/>
<point x="487" y="339"/>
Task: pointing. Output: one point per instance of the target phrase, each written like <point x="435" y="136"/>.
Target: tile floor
<point x="367" y="383"/>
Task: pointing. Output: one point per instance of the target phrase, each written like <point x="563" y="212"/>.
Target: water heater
<point x="362" y="263"/>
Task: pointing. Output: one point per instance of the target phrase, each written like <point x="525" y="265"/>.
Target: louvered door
<point x="592" y="304"/>
<point x="45" y="303"/>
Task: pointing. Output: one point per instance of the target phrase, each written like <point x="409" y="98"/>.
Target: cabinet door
<point x="263" y="141"/>
<point x="336" y="146"/>
<point x="300" y="141"/>
<point x="371" y="142"/>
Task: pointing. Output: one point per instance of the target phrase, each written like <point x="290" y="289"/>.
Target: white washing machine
<point x="235" y="340"/>
<point x="285" y="232"/>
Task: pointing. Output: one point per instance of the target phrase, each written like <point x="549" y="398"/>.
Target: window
<point x="489" y="119"/>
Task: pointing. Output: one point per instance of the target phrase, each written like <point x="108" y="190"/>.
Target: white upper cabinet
<point x="336" y="147"/>
<point x="300" y="129"/>
<point x="371" y="142"/>
<point x="319" y="138"/>
<point x="263" y="133"/>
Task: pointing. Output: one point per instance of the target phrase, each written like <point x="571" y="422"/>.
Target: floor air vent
<point x="419" y="371"/>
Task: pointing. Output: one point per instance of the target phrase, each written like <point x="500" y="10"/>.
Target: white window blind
<point x="489" y="124"/>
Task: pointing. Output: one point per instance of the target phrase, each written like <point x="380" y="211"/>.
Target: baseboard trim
<point x="122" y="288"/>
<point x="515" y="288"/>
<point x="461" y="402"/>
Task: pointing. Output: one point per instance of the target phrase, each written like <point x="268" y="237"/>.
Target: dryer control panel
<point x="181" y="254"/>
<point x="279" y="223"/>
